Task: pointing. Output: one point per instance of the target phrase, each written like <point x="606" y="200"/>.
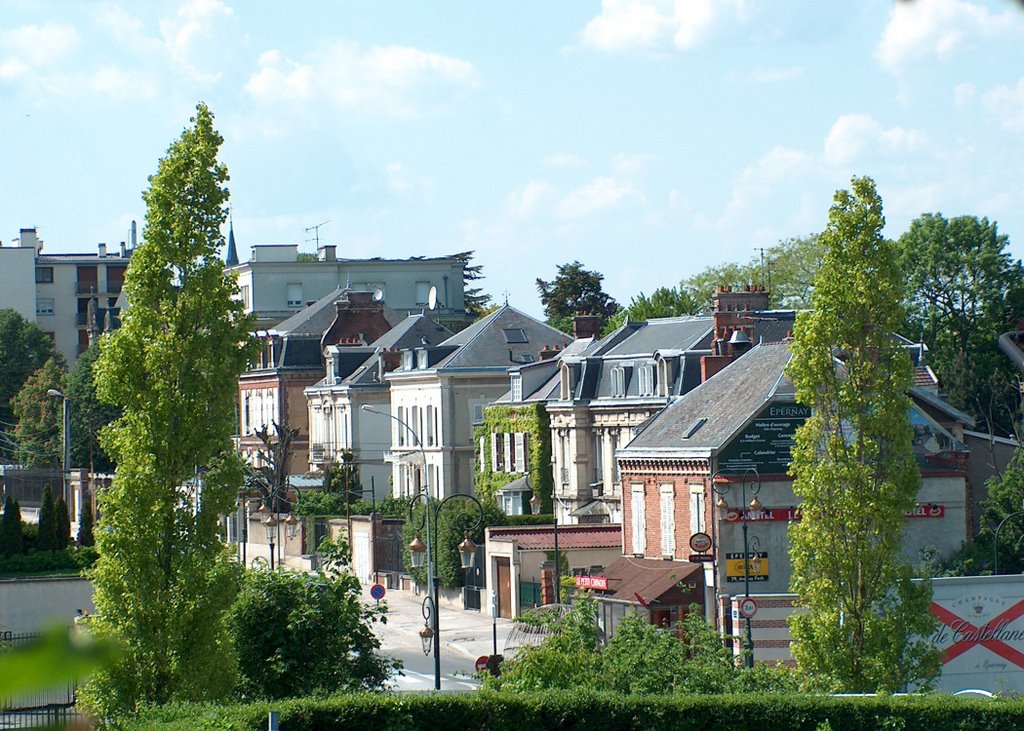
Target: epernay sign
<point x="766" y="443"/>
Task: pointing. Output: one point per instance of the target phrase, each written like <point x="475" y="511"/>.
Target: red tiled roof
<point x="542" y="537"/>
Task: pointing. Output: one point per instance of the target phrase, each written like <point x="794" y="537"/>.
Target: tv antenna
<point x="316" y="232"/>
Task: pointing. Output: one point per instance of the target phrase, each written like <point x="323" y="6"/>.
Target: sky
<point x="647" y="140"/>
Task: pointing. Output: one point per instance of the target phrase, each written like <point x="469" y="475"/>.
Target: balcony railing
<point x="565" y="475"/>
<point x="87" y="287"/>
<point x="321" y="453"/>
<point x="81" y="318"/>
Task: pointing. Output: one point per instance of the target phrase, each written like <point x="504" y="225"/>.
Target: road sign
<point x="748" y="607"/>
<point x="481" y="663"/>
<point x="702" y="557"/>
<point x="377" y="592"/>
<point x="700" y="542"/>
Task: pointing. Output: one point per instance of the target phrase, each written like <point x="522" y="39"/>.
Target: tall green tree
<point x="573" y="291"/>
<point x="853" y="465"/>
<point x="663" y="302"/>
<point x="787" y="269"/>
<point x="12" y="540"/>
<point x="164" y="580"/>
<point x="966" y="289"/>
<point x="39" y="432"/>
<point x="88" y="414"/>
<point x="24" y="348"/>
<point x="47" y="537"/>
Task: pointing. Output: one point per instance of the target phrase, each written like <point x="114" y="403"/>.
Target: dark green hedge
<point x="69" y="560"/>
<point x="598" y="712"/>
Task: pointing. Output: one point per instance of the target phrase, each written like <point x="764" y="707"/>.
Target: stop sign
<point x="481" y="663"/>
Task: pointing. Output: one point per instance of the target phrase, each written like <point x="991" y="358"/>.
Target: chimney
<point x="102" y="249"/>
<point x="29" y="239"/>
<point x="585" y="325"/>
<point x="549" y="351"/>
<point x="134" y="238"/>
<point x="327" y="252"/>
<point x="124" y="251"/>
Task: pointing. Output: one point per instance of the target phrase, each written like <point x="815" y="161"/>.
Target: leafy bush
<point x="593" y="711"/>
<point x="298" y="633"/>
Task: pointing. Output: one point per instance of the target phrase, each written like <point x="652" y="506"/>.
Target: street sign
<point x="481" y="663"/>
<point x="702" y="557"/>
<point x="377" y="592"/>
<point x="700" y="542"/>
<point x="756" y="567"/>
<point x="748" y="607"/>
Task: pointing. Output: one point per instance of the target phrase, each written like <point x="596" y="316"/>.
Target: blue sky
<point x="645" y="139"/>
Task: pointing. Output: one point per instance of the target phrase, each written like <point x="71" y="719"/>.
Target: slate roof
<point x="727" y="402"/>
<point x="484" y="343"/>
<point x="314" y="319"/>
<point x="683" y="333"/>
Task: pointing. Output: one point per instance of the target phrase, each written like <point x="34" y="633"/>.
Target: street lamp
<point x="995" y="543"/>
<point x="753" y="505"/>
<point x="420" y="551"/>
<point x="535" y="504"/>
<point x="271" y="523"/>
<point x="66" y="436"/>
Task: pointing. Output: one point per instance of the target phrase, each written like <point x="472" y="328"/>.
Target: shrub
<point x="70" y="561"/>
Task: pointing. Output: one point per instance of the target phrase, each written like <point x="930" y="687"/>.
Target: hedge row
<point x="597" y="712"/>
<point x="70" y="560"/>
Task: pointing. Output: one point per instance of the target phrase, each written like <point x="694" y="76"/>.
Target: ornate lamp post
<point x="66" y="434"/>
<point x="271" y="523"/>
<point x="754" y="505"/>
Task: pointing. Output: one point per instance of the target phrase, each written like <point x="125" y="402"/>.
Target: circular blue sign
<point x="377" y="592"/>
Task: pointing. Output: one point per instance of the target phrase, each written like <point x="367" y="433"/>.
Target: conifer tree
<point x="85" y="536"/>
<point x="12" y="540"/>
<point x="855" y="474"/>
<point x="164" y="579"/>
<point x="47" y="539"/>
<point x="62" y="524"/>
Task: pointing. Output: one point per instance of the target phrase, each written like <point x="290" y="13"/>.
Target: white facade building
<point x="70" y="296"/>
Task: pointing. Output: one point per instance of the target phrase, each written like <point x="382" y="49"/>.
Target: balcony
<point x="565" y="475"/>
<point x="87" y="287"/>
<point x="81" y="319"/>
<point x="321" y="453"/>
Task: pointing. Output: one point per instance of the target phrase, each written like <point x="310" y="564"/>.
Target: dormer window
<point x="645" y="379"/>
<point x="566" y="385"/>
<point x="618" y="381"/>
<point x="407" y="360"/>
<point x="517" y="387"/>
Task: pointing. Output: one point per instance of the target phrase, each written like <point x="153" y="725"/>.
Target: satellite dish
<point x="432" y="298"/>
<point x="378" y="294"/>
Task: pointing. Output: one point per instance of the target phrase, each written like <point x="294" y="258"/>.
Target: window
<point x="637" y="521"/>
<point x="498" y="452"/>
<point x="519" y="445"/>
<point x="646" y="380"/>
<point x="422" y="292"/>
<point x="44" y="275"/>
<point x="431" y="434"/>
<point x="481" y="455"/>
<point x="295" y="295"/>
<point x="618" y="381"/>
<point x="477" y="411"/>
<point x="44" y="306"/>
<point x="517" y="387"/>
<point x="243" y="292"/>
<point x="515" y="335"/>
<point x="599" y="457"/>
<point x="668" y="521"/>
<point x="401" y="426"/>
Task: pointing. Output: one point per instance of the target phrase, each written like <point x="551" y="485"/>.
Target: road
<point x="418" y="671"/>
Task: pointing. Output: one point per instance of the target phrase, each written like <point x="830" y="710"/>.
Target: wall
<point x="18" y="283"/>
<point x="29" y="605"/>
<point x="981" y="631"/>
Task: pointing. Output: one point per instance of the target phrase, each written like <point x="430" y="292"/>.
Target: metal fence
<point x="53" y="707"/>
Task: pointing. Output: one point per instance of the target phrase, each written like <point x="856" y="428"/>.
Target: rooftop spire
<point x="231" y="259"/>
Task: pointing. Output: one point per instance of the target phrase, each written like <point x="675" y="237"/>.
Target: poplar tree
<point x="164" y="579"/>
<point x="867" y="623"/>
<point x="47" y="537"/>
<point x="61" y="523"/>
<point x="12" y="540"/>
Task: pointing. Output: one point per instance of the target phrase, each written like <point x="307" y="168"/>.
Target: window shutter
<point x="668" y="523"/>
<point x="637" y="521"/>
<point x="506" y="455"/>
<point x="520" y="451"/>
<point x="495" y="453"/>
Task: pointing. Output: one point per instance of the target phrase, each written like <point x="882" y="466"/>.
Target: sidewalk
<point x="469" y="633"/>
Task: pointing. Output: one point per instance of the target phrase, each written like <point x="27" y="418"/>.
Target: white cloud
<point x="33" y="47"/>
<point x="630" y="164"/>
<point x="114" y="82"/>
<point x="854" y="134"/>
<point x="391" y="79"/>
<point x="760" y="179"/>
<point x="935" y="28"/>
<point x="523" y="203"/>
<point x="1006" y="103"/>
<point x="597" y="195"/>
<point x="191" y="25"/>
<point x="627" y="25"/>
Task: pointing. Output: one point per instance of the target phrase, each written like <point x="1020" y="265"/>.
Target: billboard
<point x="766" y="442"/>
